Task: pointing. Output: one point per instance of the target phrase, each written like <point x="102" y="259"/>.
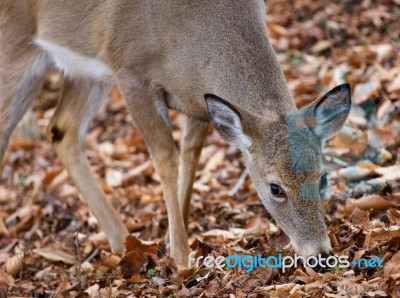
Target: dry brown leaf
<point x="358" y="254"/>
<point x="384" y="109"/>
<point x="57" y="181"/>
<point x="313" y="287"/>
<point x="55" y="254"/>
<point x="276" y="30"/>
<point x="395" y="84"/>
<point x="22" y="144"/>
<point x="311" y="272"/>
<point x="68" y="191"/>
<point x="106" y="188"/>
<point x="6" y="280"/>
<point x="112" y="261"/>
<point x="389" y="173"/>
<point x="137" y="279"/>
<point x="14" y="264"/>
<point x="300" y="275"/>
<point x="98" y="238"/>
<point x="23" y="219"/>
<point x="7" y="195"/>
<point x="360" y="217"/>
<point x="383" y="51"/>
<point x="148" y="199"/>
<point x="394" y="216"/>
<point x="187" y="272"/>
<point x="137" y="251"/>
<point x="213" y="287"/>
<point x="369" y="202"/>
<point x="345" y="145"/>
<point x="3" y="228"/>
<point x="297" y="292"/>
<point x="276" y="290"/>
<point x="365" y="91"/>
<point x="381" y="234"/>
<point x="219" y="233"/>
<point x="63" y="286"/>
<point x="354" y="172"/>
<point x="213" y="163"/>
<point x="321" y="46"/>
<point x="114" y="178"/>
<point x="50" y="176"/>
<point x="393" y="266"/>
<point x="93" y="291"/>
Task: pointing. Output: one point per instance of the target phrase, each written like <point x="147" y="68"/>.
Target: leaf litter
<point x="50" y="244"/>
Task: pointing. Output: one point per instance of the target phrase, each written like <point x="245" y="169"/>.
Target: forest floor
<point x="50" y="244"/>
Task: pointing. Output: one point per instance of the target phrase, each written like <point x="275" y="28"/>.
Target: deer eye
<point x="277" y="191"/>
<point x="324" y="181"/>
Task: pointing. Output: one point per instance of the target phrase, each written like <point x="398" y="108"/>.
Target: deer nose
<point x="323" y="268"/>
<point x="327" y="254"/>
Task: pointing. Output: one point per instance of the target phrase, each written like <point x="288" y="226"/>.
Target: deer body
<point x="169" y="45"/>
<point x="210" y="60"/>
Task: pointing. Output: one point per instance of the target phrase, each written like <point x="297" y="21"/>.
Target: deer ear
<point x="227" y="121"/>
<point x="331" y="111"/>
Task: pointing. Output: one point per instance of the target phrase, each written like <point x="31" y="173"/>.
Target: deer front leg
<point x="67" y="133"/>
<point x="194" y="134"/>
<point x="150" y="114"/>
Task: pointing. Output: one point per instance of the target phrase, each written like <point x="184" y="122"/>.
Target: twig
<point x="79" y="259"/>
<point x="92" y="256"/>
<point x="138" y="170"/>
<point x="239" y="184"/>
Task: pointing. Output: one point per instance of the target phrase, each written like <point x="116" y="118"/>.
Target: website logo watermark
<point x="284" y="262"/>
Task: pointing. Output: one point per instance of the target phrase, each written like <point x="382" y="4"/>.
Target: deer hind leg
<point x="194" y="134"/>
<point x="66" y="131"/>
<point x="20" y="82"/>
<point x="150" y="114"/>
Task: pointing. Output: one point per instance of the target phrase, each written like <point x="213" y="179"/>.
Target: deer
<point x="213" y="62"/>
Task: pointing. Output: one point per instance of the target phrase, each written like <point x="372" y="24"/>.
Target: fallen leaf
<point x="14" y="264"/>
<point x="276" y="30"/>
<point x="369" y="202"/>
<point x="137" y="251"/>
<point x="219" y="233"/>
<point x="6" y="280"/>
<point x="321" y="46"/>
<point x="55" y="254"/>
<point x="381" y="234"/>
<point x="114" y="178"/>
<point x="93" y="291"/>
<point x="392" y="267"/>
<point x="394" y="85"/>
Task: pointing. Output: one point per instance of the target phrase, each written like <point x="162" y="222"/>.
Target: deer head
<point x="282" y="150"/>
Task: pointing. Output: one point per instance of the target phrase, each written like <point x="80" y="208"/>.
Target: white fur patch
<point x="74" y="64"/>
<point x="228" y="123"/>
